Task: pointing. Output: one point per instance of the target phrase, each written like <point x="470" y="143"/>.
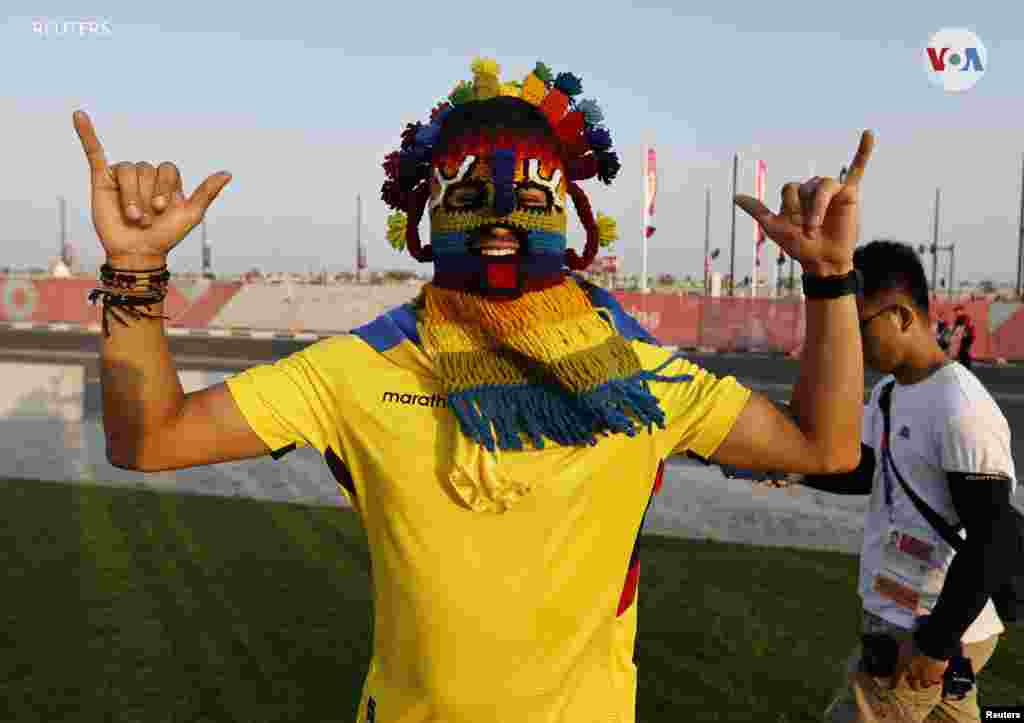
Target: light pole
<point x="952" y="269"/>
<point x="732" y="238"/>
<point x="935" y="250"/>
<point x="935" y="245"/>
<point x="707" y="239"/>
<point x="1020" y="237"/>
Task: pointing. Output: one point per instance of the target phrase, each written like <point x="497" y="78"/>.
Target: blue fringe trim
<point x="540" y="412"/>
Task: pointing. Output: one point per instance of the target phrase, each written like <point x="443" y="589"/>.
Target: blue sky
<point x="301" y="101"/>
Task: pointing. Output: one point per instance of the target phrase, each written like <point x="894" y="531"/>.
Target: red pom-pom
<point x="393" y="195"/>
<point x="441" y="107"/>
<point x="391" y="163"/>
<point x="570" y="132"/>
<point x="409" y="135"/>
<point x="583" y="168"/>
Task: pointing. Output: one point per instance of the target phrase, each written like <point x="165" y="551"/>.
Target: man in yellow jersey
<point x="502" y="435"/>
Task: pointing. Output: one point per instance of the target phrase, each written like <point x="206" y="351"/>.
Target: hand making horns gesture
<point x="819" y="221"/>
<point x="139" y="210"/>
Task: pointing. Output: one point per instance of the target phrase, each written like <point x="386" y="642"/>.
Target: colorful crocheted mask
<point x="503" y="155"/>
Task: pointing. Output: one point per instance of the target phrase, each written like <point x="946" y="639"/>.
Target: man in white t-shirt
<point x="925" y="605"/>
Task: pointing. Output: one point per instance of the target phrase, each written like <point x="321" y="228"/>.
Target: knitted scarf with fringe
<point x="544" y="365"/>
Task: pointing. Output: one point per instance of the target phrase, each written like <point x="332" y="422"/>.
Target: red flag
<point x="759" y="237"/>
<point x="650" y="192"/>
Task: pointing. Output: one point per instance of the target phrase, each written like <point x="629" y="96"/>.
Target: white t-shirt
<point x="945" y="423"/>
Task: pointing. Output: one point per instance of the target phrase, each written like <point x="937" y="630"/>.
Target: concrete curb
<point x="311" y="336"/>
<point x="172" y="331"/>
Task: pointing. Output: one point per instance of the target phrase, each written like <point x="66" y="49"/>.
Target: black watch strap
<point x="832" y="287"/>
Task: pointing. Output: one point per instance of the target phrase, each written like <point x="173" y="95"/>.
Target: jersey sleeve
<point x="699" y="411"/>
<point x="295" y="401"/>
<point x="975" y="442"/>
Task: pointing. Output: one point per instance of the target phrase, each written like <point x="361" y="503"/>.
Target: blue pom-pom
<point x="591" y="111"/>
<point x="569" y="84"/>
<point x="416" y="155"/>
<point x="599" y="139"/>
<point x="428" y="135"/>
<point x="503" y="173"/>
<point x="608" y="166"/>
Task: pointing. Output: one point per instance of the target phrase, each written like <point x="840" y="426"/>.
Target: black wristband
<point x="832" y="287"/>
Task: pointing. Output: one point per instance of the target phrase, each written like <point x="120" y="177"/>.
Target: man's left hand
<point x="919" y="670"/>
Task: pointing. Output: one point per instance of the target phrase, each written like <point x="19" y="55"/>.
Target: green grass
<point x="130" y="605"/>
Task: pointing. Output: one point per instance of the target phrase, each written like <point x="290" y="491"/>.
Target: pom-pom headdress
<point x="579" y="142"/>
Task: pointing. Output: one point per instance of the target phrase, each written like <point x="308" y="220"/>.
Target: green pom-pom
<point x="608" y="230"/>
<point x="544" y="73"/>
<point x="397" y="223"/>
<point x="463" y="93"/>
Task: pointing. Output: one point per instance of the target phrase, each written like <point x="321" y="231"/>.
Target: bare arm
<point x="149" y="422"/>
<point x="826" y="438"/>
<point x="819" y="224"/>
<point x="140" y="214"/>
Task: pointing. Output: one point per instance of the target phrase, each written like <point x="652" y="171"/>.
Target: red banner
<point x="651" y="190"/>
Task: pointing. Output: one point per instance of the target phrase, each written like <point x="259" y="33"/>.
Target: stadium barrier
<point x="736" y="324"/>
<point x="724" y="324"/>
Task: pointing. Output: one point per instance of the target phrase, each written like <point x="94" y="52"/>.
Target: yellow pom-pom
<point x="397" y="223"/>
<point x="534" y="89"/>
<point x="608" y="230"/>
<point x="486" y="87"/>
<point x="485" y="66"/>
<point x="510" y="89"/>
<point x="485" y="79"/>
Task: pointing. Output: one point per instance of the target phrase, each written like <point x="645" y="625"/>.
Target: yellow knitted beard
<point x="554" y="335"/>
<point x="546" y="365"/>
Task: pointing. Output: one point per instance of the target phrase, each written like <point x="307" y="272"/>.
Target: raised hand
<point x="819" y="221"/>
<point x="139" y="211"/>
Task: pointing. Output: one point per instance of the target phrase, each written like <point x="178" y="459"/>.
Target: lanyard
<point x="887" y="483"/>
<point x="887" y="480"/>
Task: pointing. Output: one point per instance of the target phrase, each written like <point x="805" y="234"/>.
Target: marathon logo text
<point x="48" y="28"/>
<point x="420" y="400"/>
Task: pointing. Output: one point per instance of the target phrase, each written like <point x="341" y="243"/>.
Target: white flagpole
<point x="773" y="257"/>
<point x="643" y="228"/>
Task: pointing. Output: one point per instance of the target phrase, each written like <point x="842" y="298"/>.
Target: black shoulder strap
<point x="949" y="532"/>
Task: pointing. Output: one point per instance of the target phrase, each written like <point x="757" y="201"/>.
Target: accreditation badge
<point x="911" y="575"/>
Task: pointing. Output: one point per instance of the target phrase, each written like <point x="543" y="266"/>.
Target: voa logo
<point x="955" y="59"/>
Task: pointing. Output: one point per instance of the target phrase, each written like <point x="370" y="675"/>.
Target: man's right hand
<point x="819" y="222"/>
<point x="138" y="210"/>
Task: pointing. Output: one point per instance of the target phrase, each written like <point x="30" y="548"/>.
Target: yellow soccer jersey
<point x="503" y="582"/>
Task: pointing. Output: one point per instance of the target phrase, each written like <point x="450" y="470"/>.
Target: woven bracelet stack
<point x="131" y="292"/>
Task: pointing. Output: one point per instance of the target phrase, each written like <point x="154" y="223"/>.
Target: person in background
<point x="965" y="325"/>
<point x="925" y="606"/>
<point x="943" y="332"/>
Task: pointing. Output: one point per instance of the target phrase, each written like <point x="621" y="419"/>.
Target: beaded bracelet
<point x="127" y="290"/>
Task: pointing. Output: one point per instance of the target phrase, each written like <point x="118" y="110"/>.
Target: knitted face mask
<point x="485" y="180"/>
